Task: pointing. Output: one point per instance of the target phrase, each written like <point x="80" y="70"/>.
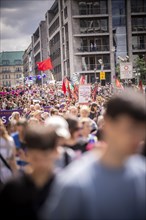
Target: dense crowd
<point x="61" y="160"/>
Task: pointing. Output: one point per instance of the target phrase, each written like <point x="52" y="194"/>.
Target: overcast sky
<point x="18" y="21"/>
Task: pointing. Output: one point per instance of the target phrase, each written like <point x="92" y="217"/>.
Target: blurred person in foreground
<point x="111" y="185"/>
<point x="7" y="155"/>
<point x="22" y="197"/>
<point x="66" y="154"/>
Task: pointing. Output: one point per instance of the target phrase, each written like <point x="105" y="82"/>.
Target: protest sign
<point x="84" y="93"/>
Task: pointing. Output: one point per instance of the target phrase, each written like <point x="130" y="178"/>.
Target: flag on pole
<point x="45" y="65"/>
<point x="64" y="86"/>
<point x="118" y="84"/>
<point x="82" y="80"/>
<point x="140" y="86"/>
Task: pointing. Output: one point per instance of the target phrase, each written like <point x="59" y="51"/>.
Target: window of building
<point x="65" y="13"/>
<point x="17" y="62"/>
<point x="5" y="62"/>
<point x="94" y="25"/>
<point x="139" y="24"/>
<point x="9" y="77"/>
<point x="138" y="6"/>
<point x="93" y="7"/>
<point x="139" y="42"/>
<point x="5" y="76"/>
<point x="54" y="27"/>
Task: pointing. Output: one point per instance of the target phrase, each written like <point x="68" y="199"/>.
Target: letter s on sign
<point x="4" y="119"/>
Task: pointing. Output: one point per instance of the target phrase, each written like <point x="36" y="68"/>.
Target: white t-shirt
<point x="6" y="150"/>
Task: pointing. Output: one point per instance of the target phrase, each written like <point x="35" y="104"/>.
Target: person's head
<point x="86" y="126"/>
<point x="21" y="126"/>
<point x="3" y="131"/>
<point x="74" y="126"/>
<point x="45" y="115"/>
<point x="73" y="111"/>
<point x="84" y="111"/>
<point x="54" y="111"/>
<point x="32" y="108"/>
<point x="15" y="116"/>
<point x="37" y="107"/>
<point x="61" y="127"/>
<point x="38" y="115"/>
<point x="33" y="121"/>
<point x="125" y="118"/>
<point x="41" y="148"/>
<point x="94" y="107"/>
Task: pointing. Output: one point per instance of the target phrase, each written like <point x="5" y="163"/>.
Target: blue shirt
<point x="88" y="190"/>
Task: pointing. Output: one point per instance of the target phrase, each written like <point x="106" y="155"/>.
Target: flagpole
<point x="42" y="78"/>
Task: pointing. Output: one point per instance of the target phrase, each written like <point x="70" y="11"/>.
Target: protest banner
<point x="84" y="93"/>
<point x="5" y="114"/>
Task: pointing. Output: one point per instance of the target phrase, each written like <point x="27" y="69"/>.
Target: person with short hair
<point x="110" y="185"/>
<point x="22" y="197"/>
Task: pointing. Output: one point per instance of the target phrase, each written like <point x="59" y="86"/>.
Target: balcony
<point x="93" y="67"/>
<point x="85" y="11"/>
<point x="138" y="28"/>
<point x="93" y="30"/>
<point x="138" y="10"/>
<point x="139" y="47"/>
<point x="93" y="49"/>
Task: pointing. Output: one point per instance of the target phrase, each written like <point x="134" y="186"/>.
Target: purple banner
<point x="5" y="114"/>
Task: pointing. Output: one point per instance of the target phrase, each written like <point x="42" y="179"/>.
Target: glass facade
<point x="93" y="44"/>
<point x="119" y="27"/>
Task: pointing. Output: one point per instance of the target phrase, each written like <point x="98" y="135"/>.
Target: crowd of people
<point x="61" y="160"/>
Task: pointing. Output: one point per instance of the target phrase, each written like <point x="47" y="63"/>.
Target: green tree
<point x="140" y="66"/>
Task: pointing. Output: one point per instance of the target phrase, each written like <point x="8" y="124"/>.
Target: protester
<point x="93" y="111"/>
<point x="73" y="111"/>
<point x="15" y="116"/>
<point x="111" y="186"/>
<point x="22" y="197"/>
<point x="7" y="155"/>
<point x="66" y="154"/>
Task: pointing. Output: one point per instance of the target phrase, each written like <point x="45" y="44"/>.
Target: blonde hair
<point x="13" y="116"/>
<point x="3" y="131"/>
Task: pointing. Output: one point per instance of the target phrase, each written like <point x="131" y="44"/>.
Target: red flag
<point x="140" y="86"/>
<point x="75" y="92"/>
<point x="45" y="65"/>
<point x="118" y="84"/>
<point x="68" y="87"/>
<point x="82" y="80"/>
<point x="64" y="87"/>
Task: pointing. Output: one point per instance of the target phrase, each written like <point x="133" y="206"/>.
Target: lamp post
<point x="102" y="66"/>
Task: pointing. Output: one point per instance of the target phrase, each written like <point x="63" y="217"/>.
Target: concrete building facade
<point x="28" y="61"/>
<point x="11" y="68"/>
<point x="39" y="46"/>
<point x="80" y="32"/>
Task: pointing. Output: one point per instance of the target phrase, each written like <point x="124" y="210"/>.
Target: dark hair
<point x="72" y="123"/>
<point x="40" y="138"/>
<point x="130" y="103"/>
<point x="52" y="111"/>
<point x="94" y="104"/>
